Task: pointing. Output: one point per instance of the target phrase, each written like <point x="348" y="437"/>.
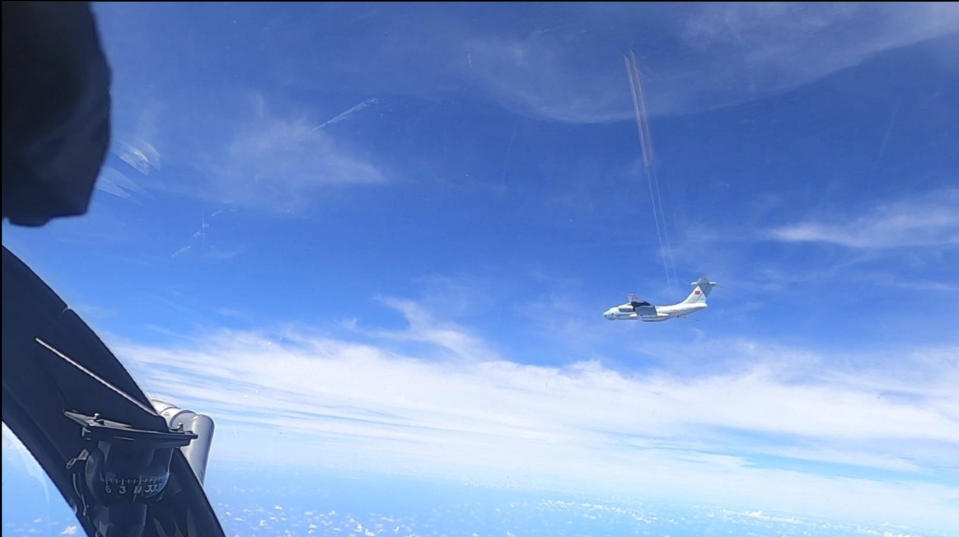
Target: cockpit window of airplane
<point x="483" y="269"/>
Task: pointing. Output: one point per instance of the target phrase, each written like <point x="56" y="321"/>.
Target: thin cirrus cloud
<point x="363" y="402"/>
<point x="425" y="328"/>
<point x="929" y="222"/>
<point x="733" y="53"/>
<point x="253" y="157"/>
<point x="282" y="157"/>
<point x="281" y="162"/>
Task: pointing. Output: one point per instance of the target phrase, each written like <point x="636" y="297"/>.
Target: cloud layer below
<point x="876" y="444"/>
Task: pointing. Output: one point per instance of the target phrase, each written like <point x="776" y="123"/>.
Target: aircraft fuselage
<point x="627" y="312"/>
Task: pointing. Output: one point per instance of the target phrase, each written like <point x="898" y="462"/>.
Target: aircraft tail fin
<point x="701" y="289"/>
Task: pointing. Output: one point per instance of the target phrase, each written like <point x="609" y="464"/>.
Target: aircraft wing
<point x="637" y="302"/>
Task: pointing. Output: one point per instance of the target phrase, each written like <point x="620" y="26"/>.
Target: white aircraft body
<point x="641" y="310"/>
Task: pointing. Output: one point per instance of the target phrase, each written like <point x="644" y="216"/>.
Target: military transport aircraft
<point x="637" y="309"/>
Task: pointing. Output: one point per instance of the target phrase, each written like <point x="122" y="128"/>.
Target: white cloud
<point x="933" y="221"/>
<point x="69" y="530"/>
<point x="294" y="150"/>
<point x="815" y="39"/>
<point x="281" y="162"/>
<point x="580" y="426"/>
<point x="423" y="327"/>
<point x="554" y="62"/>
<point x="759" y="515"/>
<point x="15" y="453"/>
<point x="539" y="79"/>
<point x="236" y="152"/>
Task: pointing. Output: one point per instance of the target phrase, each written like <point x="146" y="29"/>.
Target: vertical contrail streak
<point x="652" y="180"/>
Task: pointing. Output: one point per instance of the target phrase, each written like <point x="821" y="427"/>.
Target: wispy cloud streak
<point x="281" y="162"/>
<point x="913" y="223"/>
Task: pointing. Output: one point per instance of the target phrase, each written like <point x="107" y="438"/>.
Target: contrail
<point x="200" y="233"/>
<point x="652" y="180"/>
<point x="885" y="137"/>
<point x="346" y="114"/>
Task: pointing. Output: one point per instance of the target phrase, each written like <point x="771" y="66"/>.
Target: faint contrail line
<point x="885" y="137"/>
<point x="340" y="117"/>
<point x="652" y="179"/>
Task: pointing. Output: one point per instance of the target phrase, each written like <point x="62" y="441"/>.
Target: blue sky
<point x="388" y="233"/>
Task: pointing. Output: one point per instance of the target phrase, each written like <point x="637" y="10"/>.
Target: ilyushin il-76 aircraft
<point x="637" y="309"/>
